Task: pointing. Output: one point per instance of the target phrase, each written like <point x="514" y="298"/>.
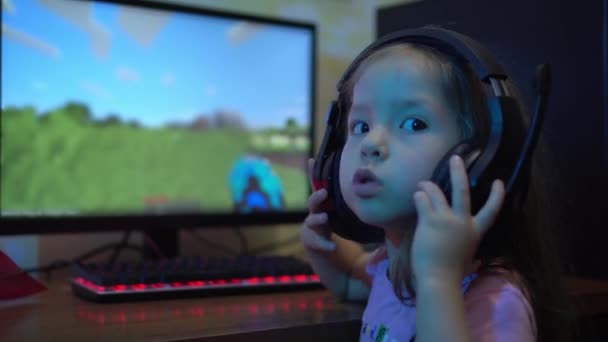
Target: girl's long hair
<point x="522" y="238"/>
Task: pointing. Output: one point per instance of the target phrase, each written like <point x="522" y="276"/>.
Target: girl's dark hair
<point x="523" y="238"/>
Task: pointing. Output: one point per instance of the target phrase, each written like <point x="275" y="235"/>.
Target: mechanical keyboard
<point x="191" y="276"/>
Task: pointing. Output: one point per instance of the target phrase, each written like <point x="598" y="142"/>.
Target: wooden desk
<point x="58" y="315"/>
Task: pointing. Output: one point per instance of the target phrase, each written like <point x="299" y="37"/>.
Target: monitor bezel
<point x="22" y="225"/>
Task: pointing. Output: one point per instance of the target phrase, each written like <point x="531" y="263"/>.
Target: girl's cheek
<point x="349" y="146"/>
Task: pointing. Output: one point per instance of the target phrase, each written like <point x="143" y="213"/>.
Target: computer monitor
<point x="145" y="115"/>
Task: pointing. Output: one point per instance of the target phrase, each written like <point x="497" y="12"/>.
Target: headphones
<point x="479" y="156"/>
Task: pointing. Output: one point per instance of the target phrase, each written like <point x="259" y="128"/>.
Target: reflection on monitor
<point x="111" y="109"/>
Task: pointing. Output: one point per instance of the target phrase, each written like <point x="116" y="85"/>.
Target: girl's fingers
<point x="435" y="195"/>
<point x="311" y="239"/>
<point x="378" y="255"/>
<point x="487" y="214"/>
<point x="315" y="220"/>
<point x="461" y="199"/>
<point x="315" y="200"/>
<point x="423" y="205"/>
<point x="315" y="232"/>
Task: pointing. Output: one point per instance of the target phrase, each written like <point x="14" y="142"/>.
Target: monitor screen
<point x="140" y="109"/>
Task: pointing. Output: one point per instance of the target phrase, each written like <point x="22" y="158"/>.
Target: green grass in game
<point x="65" y="161"/>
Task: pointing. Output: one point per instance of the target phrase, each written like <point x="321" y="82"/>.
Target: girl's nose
<point x="373" y="149"/>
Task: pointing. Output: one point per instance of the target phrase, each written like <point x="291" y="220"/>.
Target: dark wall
<point x="571" y="35"/>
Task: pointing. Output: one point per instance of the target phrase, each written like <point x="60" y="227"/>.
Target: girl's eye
<point x="413" y="124"/>
<point x="359" y="127"/>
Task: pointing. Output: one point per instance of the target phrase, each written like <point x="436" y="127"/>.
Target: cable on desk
<point x="123" y="242"/>
<point x="55" y="265"/>
<point x="212" y="244"/>
<point x="242" y="239"/>
<point x="153" y="246"/>
<point x="105" y="247"/>
<point x="276" y="244"/>
<point x="59" y="264"/>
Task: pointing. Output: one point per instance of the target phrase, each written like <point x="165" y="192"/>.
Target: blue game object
<point x="255" y="186"/>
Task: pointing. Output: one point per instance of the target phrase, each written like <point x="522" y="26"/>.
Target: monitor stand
<point x="164" y="240"/>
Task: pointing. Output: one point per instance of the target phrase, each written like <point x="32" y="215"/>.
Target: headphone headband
<point x="453" y="43"/>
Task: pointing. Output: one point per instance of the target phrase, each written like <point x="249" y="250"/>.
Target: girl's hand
<point x="315" y="232"/>
<point x="377" y="255"/>
<point x="446" y="238"/>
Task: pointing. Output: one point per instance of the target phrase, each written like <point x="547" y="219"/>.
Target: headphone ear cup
<point x="335" y="176"/>
<point x="342" y="216"/>
<point x="469" y="151"/>
<point x="326" y="182"/>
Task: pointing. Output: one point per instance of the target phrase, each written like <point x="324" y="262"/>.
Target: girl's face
<point x="399" y="127"/>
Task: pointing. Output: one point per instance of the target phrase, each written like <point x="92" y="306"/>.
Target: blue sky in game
<point x="151" y="66"/>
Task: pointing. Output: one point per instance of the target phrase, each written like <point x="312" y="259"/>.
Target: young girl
<point x="443" y="274"/>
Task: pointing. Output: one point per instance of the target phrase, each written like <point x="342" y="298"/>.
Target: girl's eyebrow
<point x="428" y="107"/>
<point x="400" y="104"/>
<point x="360" y="108"/>
<point x="410" y="103"/>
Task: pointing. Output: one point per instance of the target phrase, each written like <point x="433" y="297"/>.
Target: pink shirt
<point x="496" y="309"/>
